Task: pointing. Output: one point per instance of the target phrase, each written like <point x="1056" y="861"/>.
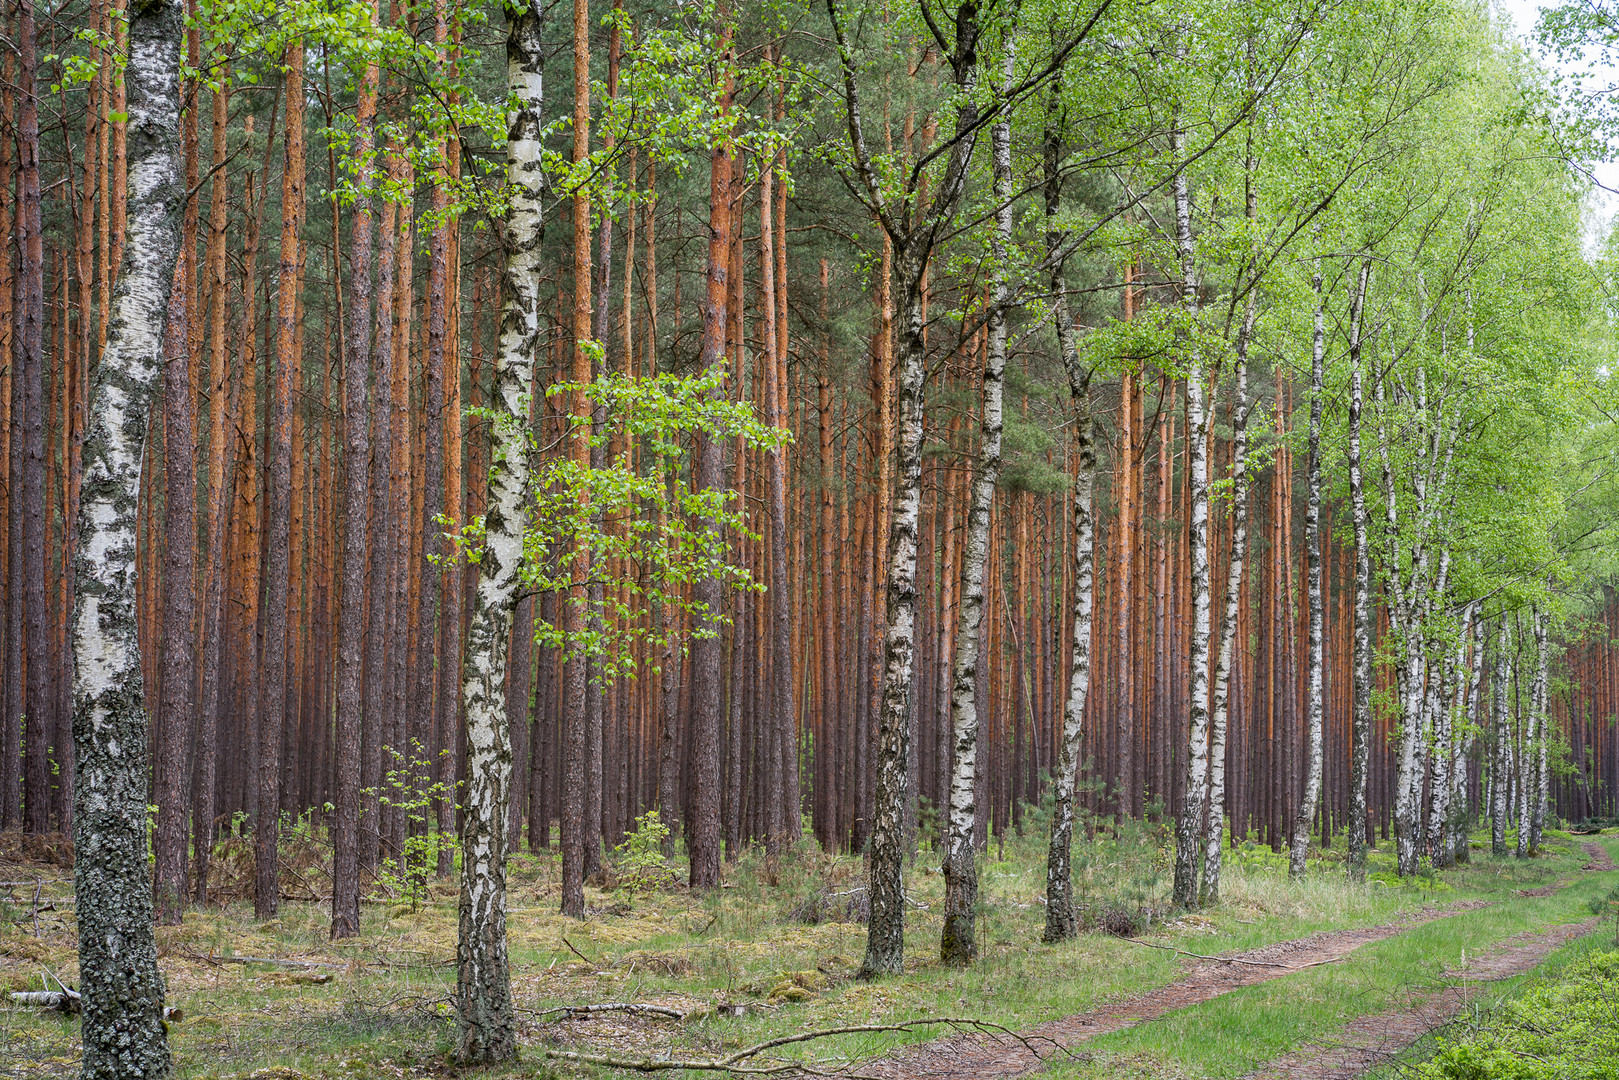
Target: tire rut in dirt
<point x="980" y="1056"/>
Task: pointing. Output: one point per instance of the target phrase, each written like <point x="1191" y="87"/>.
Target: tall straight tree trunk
<point x="379" y="650"/>
<point x="828" y="631"/>
<point x="1189" y="828"/>
<point x="488" y="1025"/>
<point x="913" y="237"/>
<point x="958" y="943"/>
<point x="11" y="467"/>
<point x="178" y="683"/>
<point x="278" y="541"/>
<point x="1226" y="657"/>
<point x="574" y="717"/>
<point x="1062" y="921"/>
<point x="784" y="817"/>
<point x="1537" y="746"/>
<point x="124" y="1035"/>
<point x="1299" y="846"/>
<point x="351" y="703"/>
<point x="28" y="362"/>
<point x="1361" y="703"/>
<point x="222" y="393"/>
<point x="703" y="842"/>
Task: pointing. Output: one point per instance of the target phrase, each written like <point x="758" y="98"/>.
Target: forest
<point x="458" y="450"/>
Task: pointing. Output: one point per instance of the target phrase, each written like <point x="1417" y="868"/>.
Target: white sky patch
<point x="1519" y="18"/>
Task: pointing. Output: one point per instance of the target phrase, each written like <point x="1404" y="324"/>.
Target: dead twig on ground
<point x="577" y="953"/>
<point x="739" y="1063"/>
<point x="1229" y="959"/>
<point x="632" y="1008"/>
<point x="216" y="960"/>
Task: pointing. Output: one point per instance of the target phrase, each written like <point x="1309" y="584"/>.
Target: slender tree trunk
<point x="222" y="398"/>
<point x="703" y="842"/>
<point x="1226" y="657"/>
<point x="1189" y="828"/>
<point x="351" y="703"/>
<point x="277" y="592"/>
<point x="487" y="1018"/>
<point x="1299" y="847"/>
<point x="958" y="944"/>
<point x="574" y="834"/>
<point x="123" y="1031"/>
<point x="1062" y="920"/>
<point x="1361" y="704"/>
<point x="1539" y="737"/>
<point x="28" y="360"/>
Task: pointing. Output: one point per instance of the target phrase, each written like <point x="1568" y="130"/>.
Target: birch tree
<point x="957" y="942"/>
<point x="488" y="1025"/>
<point x="123" y="1031"/>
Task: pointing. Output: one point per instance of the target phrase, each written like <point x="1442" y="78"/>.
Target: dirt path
<point x="1361" y="1045"/>
<point x="1370" y="1041"/>
<point x="978" y="1057"/>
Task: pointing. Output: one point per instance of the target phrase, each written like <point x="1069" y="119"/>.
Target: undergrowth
<point x="770" y="952"/>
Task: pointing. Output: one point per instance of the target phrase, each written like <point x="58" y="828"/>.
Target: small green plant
<point x="639" y="859"/>
<point x="1605" y="905"/>
<point x="410" y="785"/>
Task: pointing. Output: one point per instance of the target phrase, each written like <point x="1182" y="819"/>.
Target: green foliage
<point x="638" y="861"/>
<point x="411" y="786"/>
<point x="1568" y="1030"/>
<point x="637" y="522"/>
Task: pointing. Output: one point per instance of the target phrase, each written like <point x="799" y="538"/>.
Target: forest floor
<point x="1316" y="978"/>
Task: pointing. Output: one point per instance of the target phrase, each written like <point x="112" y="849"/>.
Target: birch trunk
<point x="1361" y="704"/>
<point x="1189" y="828"/>
<point x="958" y="943"/>
<point x="913" y="238"/>
<point x="1539" y="723"/>
<point x="1215" y="835"/>
<point x="1463" y="813"/>
<point x="1501" y="763"/>
<point x="123" y="1031"/>
<point x="1062" y="921"/>
<point x="488" y="1025"/>
<point x="1299" y="847"/>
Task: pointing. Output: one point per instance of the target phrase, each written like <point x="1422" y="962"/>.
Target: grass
<point x="390" y="1012"/>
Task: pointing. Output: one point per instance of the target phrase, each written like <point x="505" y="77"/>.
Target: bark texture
<point x="123" y="1031"/>
<point x="488" y="1020"/>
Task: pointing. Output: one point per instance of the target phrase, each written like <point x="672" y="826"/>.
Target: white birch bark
<point x="913" y="236"/>
<point x="488" y="1029"/>
<point x="1220" y="712"/>
<point x="123" y="1030"/>
<point x="1300" y="846"/>
<point x="1539" y="738"/>
<point x="957" y="938"/>
<point x="1361" y="721"/>
<point x="1189" y="829"/>
<point x="1499" y="763"/>
<point x="1463" y="813"/>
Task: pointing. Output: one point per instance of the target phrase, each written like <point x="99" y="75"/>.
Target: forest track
<point x="1370" y="1041"/>
<point x="1361" y="1045"/>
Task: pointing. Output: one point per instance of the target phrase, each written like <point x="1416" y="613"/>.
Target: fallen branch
<point x="211" y="958"/>
<point x="1220" y="959"/>
<point x="738" y="1063"/>
<point x="579" y="954"/>
<point x="69" y="1001"/>
<point x="621" y="1006"/>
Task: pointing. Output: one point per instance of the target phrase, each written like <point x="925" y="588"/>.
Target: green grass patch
<point x="780" y="940"/>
